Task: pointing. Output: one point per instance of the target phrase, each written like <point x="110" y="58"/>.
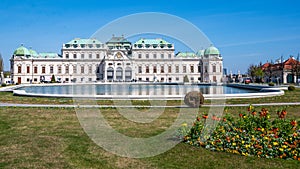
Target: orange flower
<point x="253" y="113"/>
<point x="205" y="116"/>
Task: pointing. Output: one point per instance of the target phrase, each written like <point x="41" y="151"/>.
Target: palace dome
<point x="22" y="51"/>
<point x="33" y="53"/>
<point x="212" y="51"/>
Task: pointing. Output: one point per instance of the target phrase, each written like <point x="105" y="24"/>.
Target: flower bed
<point x="251" y="134"/>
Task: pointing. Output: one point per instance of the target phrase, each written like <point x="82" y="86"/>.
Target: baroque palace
<point x="118" y="60"/>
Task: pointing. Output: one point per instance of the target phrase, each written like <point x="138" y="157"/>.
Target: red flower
<point x="294" y="123"/>
<point x="241" y="115"/>
<point x="205" y="116"/>
<point x="253" y="113"/>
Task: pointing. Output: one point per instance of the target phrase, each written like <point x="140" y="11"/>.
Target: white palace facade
<point x="118" y="60"/>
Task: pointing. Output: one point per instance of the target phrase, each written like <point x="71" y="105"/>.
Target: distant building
<point x="118" y="60"/>
<point x="287" y="71"/>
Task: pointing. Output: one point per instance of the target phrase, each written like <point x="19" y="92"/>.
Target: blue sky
<point x="246" y="32"/>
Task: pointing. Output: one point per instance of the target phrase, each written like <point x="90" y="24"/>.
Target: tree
<point x="185" y="79"/>
<point x="256" y="73"/>
<point x="53" y="79"/>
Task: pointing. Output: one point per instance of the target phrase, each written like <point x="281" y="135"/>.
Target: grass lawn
<point x="53" y="138"/>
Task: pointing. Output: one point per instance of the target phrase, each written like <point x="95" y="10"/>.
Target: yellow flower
<point x="284" y="146"/>
<point x="262" y="129"/>
<point x="266" y="138"/>
<point x="184" y="124"/>
<point x="243" y="142"/>
<point x="237" y="136"/>
<point x="234" y="144"/>
<point x="280" y="149"/>
<point x="247" y="146"/>
<point x="275" y="144"/>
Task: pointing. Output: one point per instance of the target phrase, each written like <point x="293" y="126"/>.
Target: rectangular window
<point x="177" y="78"/>
<point x="177" y="69"/>
<point x="214" y="78"/>
<point x="154" y="69"/>
<point x="82" y="69"/>
<point x="162" y="69"/>
<point x="43" y="69"/>
<point x="75" y="56"/>
<point x="97" y="55"/>
<point x="82" y="56"/>
<point x="90" y="56"/>
<point x="169" y="69"/>
<point x="90" y="69"/>
<point x="162" y="56"/>
<point x="184" y="69"/>
<point x="147" y="79"/>
<point x="35" y="69"/>
<point x="28" y="69"/>
<point x="147" y="56"/>
<point x="51" y="69"/>
<point x="192" y="68"/>
<point x="90" y="79"/>
<point x="67" y="56"/>
<point x="59" y="69"/>
<point x="140" y="69"/>
<point x="19" y="69"/>
<point x="205" y="69"/>
<point x="214" y="68"/>
<point x="154" y="56"/>
<point x="67" y="69"/>
<point x="140" y="56"/>
<point x="147" y="69"/>
<point x="199" y="69"/>
<point x="74" y="69"/>
<point x="169" y="56"/>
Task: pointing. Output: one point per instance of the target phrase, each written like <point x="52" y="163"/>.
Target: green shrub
<point x="291" y="88"/>
<point x="3" y="84"/>
<point x="271" y="84"/>
<point x="194" y="99"/>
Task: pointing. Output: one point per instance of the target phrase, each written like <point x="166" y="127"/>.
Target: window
<point x="162" y="56"/>
<point x="177" y="69"/>
<point x="27" y="79"/>
<point x="154" y="69"/>
<point x="59" y="69"/>
<point x="82" y="69"/>
<point x="214" y="68"/>
<point x="140" y="69"/>
<point x="220" y="68"/>
<point x="28" y="69"/>
<point x="147" y="56"/>
<point x="169" y="69"/>
<point x="67" y="55"/>
<point x="192" y="68"/>
<point x="19" y="69"/>
<point x="90" y="69"/>
<point x="97" y="55"/>
<point x="82" y="56"/>
<point x="199" y="69"/>
<point x="43" y="69"/>
<point x="147" y="79"/>
<point x="177" y="78"/>
<point x="147" y="69"/>
<point x="140" y="56"/>
<point x="205" y="69"/>
<point x="162" y="69"/>
<point x="184" y="69"/>
<point x="154" y="56"/>
<point x="74" y="69"/>
<point x="192" y="78"/>
<point x="90" y="56"/>
<point x="51" y="69"/>
<point x="35" y="69"/>
<point x="90" y="79"/>
<point x="35" y="79"/>
<point x="67" y="69"/>
<point x="74" y="55"/>
<point x="169" y="56"/>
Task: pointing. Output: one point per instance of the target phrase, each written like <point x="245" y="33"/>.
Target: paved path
<point x="138" y="106"/>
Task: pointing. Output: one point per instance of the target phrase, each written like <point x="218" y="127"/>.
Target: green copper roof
<point x="152" y="41"/>
<point x="186" y="55"/>
<point x="200" y="53"/>
<point x="33" y="53"/>
<point x="211" y="51"/>
<point x="21" y="51"/>
<point x="84" y="41"/>
<point x="49" y="55"/>
<point x="118" y="40"/>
